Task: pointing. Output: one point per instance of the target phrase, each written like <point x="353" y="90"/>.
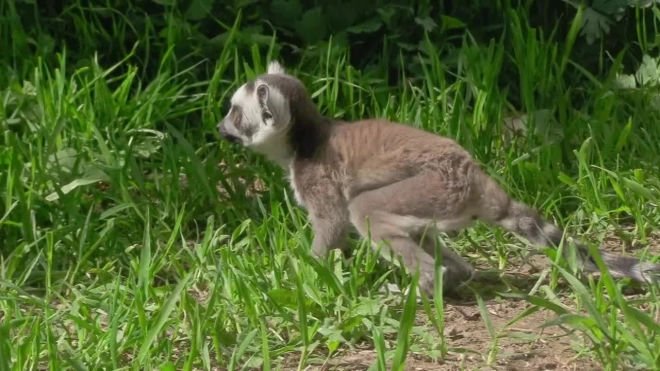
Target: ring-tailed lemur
<point x="405" y="180"/>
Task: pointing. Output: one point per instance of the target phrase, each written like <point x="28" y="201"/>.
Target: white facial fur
<point x="260" y="118"/>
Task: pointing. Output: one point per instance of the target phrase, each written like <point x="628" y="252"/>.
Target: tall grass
<point x="133" y="239"/>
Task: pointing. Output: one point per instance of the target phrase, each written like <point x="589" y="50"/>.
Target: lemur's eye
<point x="267" y="116"/>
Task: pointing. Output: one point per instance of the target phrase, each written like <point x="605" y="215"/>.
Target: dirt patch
<point x="523" y="345"/>
<point x="616" y="244"/>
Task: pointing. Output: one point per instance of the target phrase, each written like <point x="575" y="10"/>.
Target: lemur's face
<point x="259" y="114"/>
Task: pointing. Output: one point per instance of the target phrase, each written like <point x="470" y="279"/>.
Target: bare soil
<point x="470" y="343"/>
<point x="466" y="329"/>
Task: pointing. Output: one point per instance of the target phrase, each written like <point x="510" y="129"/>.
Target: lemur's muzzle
<point x="226" y="135"/>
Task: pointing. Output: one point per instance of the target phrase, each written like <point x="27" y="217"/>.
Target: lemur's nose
<point x="222" y="130"/>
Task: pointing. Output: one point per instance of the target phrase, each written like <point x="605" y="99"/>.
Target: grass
<point x="134" y="240"/>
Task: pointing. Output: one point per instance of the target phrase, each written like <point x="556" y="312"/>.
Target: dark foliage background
<point x="381" y="35"/>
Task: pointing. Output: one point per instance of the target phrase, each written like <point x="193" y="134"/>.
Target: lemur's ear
<point x="275" y="67"/>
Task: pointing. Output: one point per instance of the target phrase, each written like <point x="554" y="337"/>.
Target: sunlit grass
<point x="133" y="240"/>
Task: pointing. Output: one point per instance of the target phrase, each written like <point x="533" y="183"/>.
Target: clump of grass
<point x="132" y="240"/>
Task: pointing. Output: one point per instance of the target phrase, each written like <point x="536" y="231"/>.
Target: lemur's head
<point x="260" y="114"/>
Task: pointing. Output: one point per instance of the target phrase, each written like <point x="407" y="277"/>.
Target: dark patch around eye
<point x="237" y="116"/>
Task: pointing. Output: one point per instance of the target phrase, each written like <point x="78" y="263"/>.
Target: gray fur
<point x="372" y="175"/>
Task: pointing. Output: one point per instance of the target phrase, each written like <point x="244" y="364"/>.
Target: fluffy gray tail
<point x="516" y="217"/>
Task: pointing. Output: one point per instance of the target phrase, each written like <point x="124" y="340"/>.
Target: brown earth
<point x="465" y="329"/>
<point x="549" y="348"/>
